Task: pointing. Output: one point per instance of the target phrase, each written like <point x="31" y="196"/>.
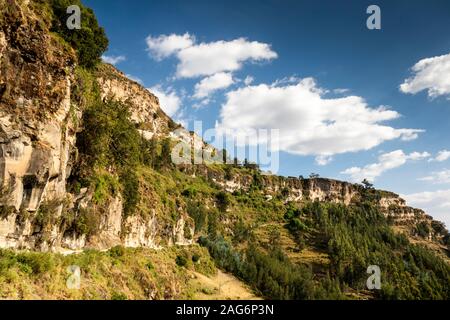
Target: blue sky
<point x="282" y="44"/>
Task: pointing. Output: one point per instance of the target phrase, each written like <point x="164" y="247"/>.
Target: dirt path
<point x="222" y="286"/>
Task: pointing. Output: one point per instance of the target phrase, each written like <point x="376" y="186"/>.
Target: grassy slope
<point x="116" y="274"/>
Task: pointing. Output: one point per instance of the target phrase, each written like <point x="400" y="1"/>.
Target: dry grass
<point x="221" y="286"/>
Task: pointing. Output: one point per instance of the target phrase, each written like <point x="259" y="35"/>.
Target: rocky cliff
<point x="324" y="190"/>
<point x="39" y="119"/>
<point x="40" y="116"/>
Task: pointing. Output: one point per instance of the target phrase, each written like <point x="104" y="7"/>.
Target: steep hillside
<point x="85" y="163"/>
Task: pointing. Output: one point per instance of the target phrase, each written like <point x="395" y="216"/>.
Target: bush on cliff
<point x="90" y="42"/>
<point x="110" y="140"/>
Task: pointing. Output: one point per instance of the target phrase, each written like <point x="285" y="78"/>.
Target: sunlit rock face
<point x="39" y="121"/>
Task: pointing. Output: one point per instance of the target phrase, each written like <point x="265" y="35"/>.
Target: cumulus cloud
<point x="386" y="161"/>
<point x="213" y="83"/>
<point x="168" y="99"/>
<point x="113" y="59"/>
<point x="205" y="59"/>
<point x="166" y="45"/>
<point x="323" y="160"/>
<point x="431" y="74"/>
<point x="438" y="177"/>
<point x="248" y="80"/>
<point x="308" y="123"/>
<point x="442" y="156"/>
<point x="435" y="203"/>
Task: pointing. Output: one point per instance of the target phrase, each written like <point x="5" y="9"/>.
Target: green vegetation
<point x="283" y="250"/>
<point x="119" y="273"/>
<point x="110" y="140"/>
<point x="353" y="237"/>
<point x="89" y="42"/>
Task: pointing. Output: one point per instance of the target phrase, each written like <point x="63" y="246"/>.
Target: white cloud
<point x="205" y="59"/>
<point x="308" y="123"/>
<point x="113" y="59"/>
<point x="416" y="156"/>
<point x="248" y="80"/>
<point x="386" y="161"/>
<point x="432" y="74"/>
<point x="438" y="177"/>
<point x="435" y="203"/>
<point x="166" y="45"/>
<point x="341" y="91"/>
<point x="201" y="104"/>
<point x="169" y="101"/>
<point x="323" y="160"/>
<point x="442" y="156"/>
<point x="213" y="83"/>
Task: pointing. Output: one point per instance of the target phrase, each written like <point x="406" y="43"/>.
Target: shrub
<point x="195" y="257"/>
<point x="423" y="229"/>
<point x="130" y="183"/>
<point x="38" y="262"/>
<point x="89" y="42"/>
<point x="110" y="139"/>
<point x="117" y="252"/>
<point x="150" y="266"/>
<point x="223" y="200"/>
<point x="181" y="261"/>
<point x="197" y="212"/>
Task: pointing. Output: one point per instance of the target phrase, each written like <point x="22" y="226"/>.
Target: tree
<point x="367" y="184"/>
<point x="90" y="42"/>
<point x="223" y="200"/>
<point x="314" y="176"/>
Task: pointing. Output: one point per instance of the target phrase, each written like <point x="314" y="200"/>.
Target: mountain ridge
<point x="85" y="164"/>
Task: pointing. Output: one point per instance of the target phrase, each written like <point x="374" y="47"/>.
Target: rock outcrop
<point x="38" y="124"/>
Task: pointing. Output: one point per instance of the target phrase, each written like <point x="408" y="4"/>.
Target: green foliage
<point x="150" y="265"/>
<point x="242" y="232"/>
<point x="117" y="252"/>
<point x="213" y="224"/>
<point x="223" y="200"/>
<point x="195" y="257"/>
<point x="359" y="236"/>
<point x="130" y="183"/>
<point x="197" y="211"/>
<point x="181" y="261"/>
<point x="89" y="42"/>
<point x="104" y="186"/>
<point x="33" y="263"/>
<point x="272" y="274"/>
<point x="353" y="238"/>
<point x="110" y="139"/>
<point x="229" y="173"/>
<point x="86" y="223"/>
<point x="423" y="229"/>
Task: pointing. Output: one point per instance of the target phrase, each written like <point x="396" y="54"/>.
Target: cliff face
<point x="39" y="120"/>
<point x="322" y="190"/>
<point x="36" y="119"/>
<point x="145" y="108"/>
